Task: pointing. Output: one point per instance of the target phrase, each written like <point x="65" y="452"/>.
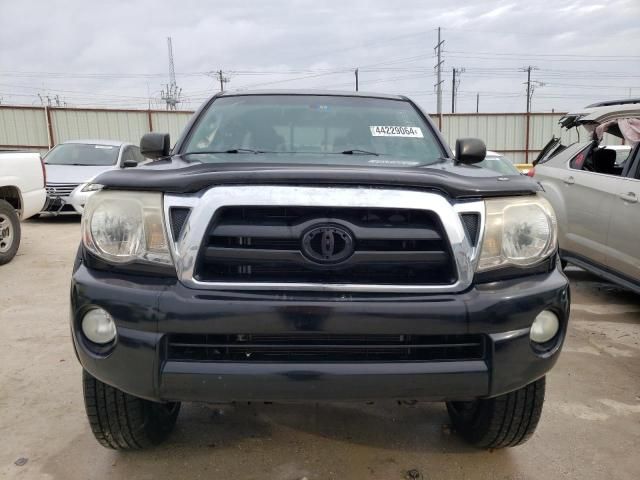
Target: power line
<point x="519" y="54"/>
<point x="386" y="40"/>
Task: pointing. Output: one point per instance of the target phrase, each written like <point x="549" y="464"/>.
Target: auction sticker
<point x="395" y="131"/>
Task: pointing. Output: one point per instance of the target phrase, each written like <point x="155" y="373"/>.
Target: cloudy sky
<point x="114" y="53"/>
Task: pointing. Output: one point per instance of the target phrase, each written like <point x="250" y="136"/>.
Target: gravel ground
<point x="590" y="428"/>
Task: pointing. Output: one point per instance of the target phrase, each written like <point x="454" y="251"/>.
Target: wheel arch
<point x="12" y="195"/>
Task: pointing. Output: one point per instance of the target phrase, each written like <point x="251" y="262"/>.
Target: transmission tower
<point x="171" y="93"/>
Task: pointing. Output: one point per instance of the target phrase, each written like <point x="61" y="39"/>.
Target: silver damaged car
<point x="595" y="191"/>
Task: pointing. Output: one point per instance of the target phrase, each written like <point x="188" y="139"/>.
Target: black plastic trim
<point x="601" y="270"/>
<point x="509" y="273"/>
<point x="134" y="268"/>
<point x="195" y="177"/>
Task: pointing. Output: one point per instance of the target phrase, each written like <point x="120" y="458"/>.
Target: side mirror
<point x="470" y="150"/>
<point x="129" y="164"/>
<point x="155" y="145"/>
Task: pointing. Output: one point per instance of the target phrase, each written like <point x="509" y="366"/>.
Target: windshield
<point x="82" y="154"/>
<point x="499" y="164"/>
<point x="312" y="127"/>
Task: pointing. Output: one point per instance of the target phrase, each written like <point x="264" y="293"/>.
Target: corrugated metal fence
<point x="38" y="128"/>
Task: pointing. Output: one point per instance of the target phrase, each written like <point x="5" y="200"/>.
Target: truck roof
<point x="332" y="93"/>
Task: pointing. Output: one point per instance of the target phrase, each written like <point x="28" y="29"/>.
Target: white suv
<point x="595" y="191"/>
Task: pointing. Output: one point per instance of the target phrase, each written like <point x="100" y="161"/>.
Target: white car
<point x="498" y="163"/>
<point x="22" y="194"/>
<point x="72" y="165"/>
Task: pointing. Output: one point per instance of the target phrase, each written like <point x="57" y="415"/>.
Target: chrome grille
<point x="190" y="249"/>
<point x="60" y="189"/>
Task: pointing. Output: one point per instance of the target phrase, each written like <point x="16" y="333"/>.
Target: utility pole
<point x="356" y="72"/>
<point x="530" y="85"/>
<point x="530" y="88"/>
<point x="438" y="85"/>
<point x="478" y="102"/>
<point x="222" y="79"/>
<point x="454" y="87"/>
<point x="453" y="91"/>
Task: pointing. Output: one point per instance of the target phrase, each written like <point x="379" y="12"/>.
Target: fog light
<point x="544" y="327"/>
<point x="98" y="326"/>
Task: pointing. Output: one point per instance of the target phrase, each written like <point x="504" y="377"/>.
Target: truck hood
<point x="178" y="176"/>
<point x="73" y="173"/>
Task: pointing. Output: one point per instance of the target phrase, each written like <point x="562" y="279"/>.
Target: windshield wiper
<point x="231" y="150"/>
<point x="357" y="151"/>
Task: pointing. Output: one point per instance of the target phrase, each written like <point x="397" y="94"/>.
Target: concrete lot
<point x="590" y="427"/>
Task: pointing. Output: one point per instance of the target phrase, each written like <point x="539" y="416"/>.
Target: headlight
<point x="518" y="232"/>
<point x="123" y="227"/>
<point x="91" y="187"/>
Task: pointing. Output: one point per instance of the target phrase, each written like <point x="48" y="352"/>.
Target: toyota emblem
<point x="327" y="243"/>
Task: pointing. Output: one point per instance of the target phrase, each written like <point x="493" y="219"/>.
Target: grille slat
<point x="214" y="254"/>
<point x="295" y="231"/>
<point x="264" y="244"/>
<point x="312" y="347"/>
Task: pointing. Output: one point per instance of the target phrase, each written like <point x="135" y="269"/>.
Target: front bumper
<point x="72" y="203"/>
<point x="147" y="309"/>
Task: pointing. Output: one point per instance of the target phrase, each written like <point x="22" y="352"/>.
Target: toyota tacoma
<point x="307" y="246"/>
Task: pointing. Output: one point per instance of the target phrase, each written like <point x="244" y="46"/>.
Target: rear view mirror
<point x="470" y="150"/>
<point x="155" y="145"/>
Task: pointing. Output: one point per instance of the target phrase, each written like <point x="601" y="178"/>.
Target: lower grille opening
<point x="314" y="347"/>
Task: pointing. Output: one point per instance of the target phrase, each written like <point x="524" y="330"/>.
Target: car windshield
<point x="499" y="164"/>
<point x="314" y="129"/>
<point x="82" y="154"/>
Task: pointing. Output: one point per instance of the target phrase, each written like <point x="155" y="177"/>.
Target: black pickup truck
<point x="307" y="246"/>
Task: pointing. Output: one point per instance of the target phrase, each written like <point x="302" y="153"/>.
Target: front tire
<point x="504" y="421"/>
<point x="123" y="422"/>
<point x="9" y="232"/>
